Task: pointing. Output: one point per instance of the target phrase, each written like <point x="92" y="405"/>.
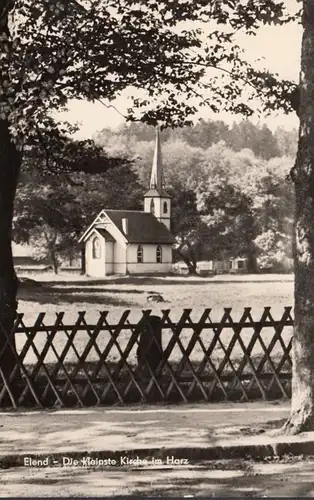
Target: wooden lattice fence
<point x="153" y="360"/>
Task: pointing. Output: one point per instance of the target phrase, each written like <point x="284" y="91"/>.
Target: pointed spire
<point x="156" y="179"/>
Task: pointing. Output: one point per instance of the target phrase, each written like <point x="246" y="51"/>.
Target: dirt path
<point x="147" y="426"/>
<point x="290" y="478"/>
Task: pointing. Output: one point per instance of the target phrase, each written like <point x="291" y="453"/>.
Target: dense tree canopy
<point x="51" y="52"/>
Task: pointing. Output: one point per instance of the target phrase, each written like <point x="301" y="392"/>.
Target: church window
<point x="139" y="254"/>
<point x="165" y="207"/>
<point x="159" y="254"/>
<point x="96" y="248"/>
<point x="152" y="207"/>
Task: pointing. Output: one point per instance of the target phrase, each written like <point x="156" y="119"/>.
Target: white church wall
<point x="119" y="266"/>
<point x="159" y="212"/>
<point x="116" y="256"/>
<point x="149" y="264"/>
<point x="119" y="250"/>
<point x="95" y="267"/>
<point x="109" y="257"/>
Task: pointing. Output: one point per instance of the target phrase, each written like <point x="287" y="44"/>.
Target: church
<point x="131" y="242"/>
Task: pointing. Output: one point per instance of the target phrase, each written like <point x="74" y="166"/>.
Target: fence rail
<point x="155" y="359"/>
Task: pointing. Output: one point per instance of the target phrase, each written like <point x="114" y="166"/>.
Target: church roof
<point x="143" y="227"/>
<point x="157" y="193"/>
<point x="103" y="232"/>
<point x="156" y="185"/>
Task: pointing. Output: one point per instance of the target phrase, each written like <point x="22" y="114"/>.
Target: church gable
<point x="105" y="227"/>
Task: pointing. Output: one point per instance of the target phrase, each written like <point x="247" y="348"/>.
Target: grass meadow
<point x="115" y="295"/>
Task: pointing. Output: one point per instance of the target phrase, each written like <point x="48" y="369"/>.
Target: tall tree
<point x="48" y="217"/>
<point x="226" y="214"/>
<point x="302" y="409"/>
<point x="268" y="186"/>
<point x="186" y="226"/>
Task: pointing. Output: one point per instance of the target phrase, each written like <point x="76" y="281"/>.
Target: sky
<point x="280" y="49"/>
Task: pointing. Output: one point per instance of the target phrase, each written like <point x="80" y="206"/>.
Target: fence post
<point x="149" y="351"/>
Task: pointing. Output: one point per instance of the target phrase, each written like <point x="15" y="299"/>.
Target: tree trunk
<point x="193" y="260"/>
<point x="252" y="266"/>
<point x="10" y="162"/>
<point x="188" y="258"/>
<point x="302" y="405"/>
<point x="54" y="261"/>
<point x="191" y="265"/>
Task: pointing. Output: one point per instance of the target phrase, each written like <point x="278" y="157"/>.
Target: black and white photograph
<point x="156" y="248"/>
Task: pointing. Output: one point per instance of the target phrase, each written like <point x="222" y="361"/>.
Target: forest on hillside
<point x="230" y="188"/>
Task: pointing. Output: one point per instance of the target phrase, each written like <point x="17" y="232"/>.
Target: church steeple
<point x="157" y="200"/>
<point x="157" y="177"/>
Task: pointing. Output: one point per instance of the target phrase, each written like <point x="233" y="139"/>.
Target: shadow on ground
<point x="164" y="281"/>
<point x="75" y="295"/>
<point x="126" y="280"/>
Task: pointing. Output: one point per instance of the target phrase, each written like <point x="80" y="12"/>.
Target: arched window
<point x="96" y="248"/>
<point x="140" y="254"/>
<point x="159" y="254"/>
<point x="152" y="207"/>
<point x="165" y="207"/>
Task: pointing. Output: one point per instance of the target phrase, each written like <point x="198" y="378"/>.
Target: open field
<point x="118" y="294"/>
<point x="72" y="294"/>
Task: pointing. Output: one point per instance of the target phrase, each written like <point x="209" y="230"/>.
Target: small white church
<point x="129" y="241"/>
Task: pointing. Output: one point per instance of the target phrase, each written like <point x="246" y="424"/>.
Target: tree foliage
<point x="202" y="135"/>
<point x="52" y="208"/>
<point x="52" y="52"/>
